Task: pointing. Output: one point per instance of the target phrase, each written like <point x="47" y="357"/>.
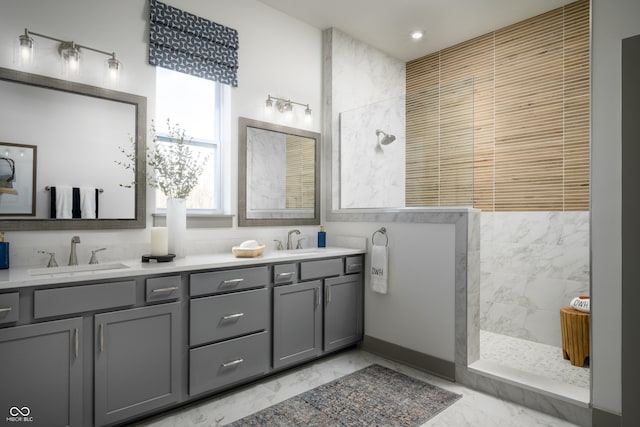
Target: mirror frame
<point x="243" y="221"/>
<point x="140" y="104"/>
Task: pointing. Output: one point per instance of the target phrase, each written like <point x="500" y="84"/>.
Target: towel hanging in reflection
<point x="379" y="263"/>
<point x="73" y="202"/>
<point x="89" y="202"/>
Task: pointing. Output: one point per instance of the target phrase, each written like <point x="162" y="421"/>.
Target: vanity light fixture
<point x="70" y="53"/>
<point x="285" y="106"/>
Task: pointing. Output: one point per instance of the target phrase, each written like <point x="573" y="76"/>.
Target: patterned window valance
<point x="184" y="42"/>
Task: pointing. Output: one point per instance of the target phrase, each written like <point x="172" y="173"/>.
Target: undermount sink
<point x="76" y="268"/>
<point x="302" y="251"/>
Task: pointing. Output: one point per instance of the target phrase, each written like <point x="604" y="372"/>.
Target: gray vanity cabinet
<point x="342" y="311"/>
<point x="41" y="374"/>
<point x="137" y="361"/>
<point x="297" y="323"/>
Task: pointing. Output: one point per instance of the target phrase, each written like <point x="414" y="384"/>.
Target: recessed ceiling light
<point x="417" y="35"/>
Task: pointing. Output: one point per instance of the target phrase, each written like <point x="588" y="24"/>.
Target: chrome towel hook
<point x="382" y="231"/>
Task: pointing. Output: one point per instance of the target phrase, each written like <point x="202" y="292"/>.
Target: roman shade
<point x="184" y="42"/>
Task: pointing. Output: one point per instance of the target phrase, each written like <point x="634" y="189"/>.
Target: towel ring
<point x="382" y="231"/>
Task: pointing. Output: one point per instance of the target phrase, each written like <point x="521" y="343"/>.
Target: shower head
<point x="386" y="138"/>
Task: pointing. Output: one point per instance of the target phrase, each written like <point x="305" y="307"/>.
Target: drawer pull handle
<point x="354" y="266"/>
<point x="169" y="289"/>
<point x="76" y="343"/>
<point x="232" y="281"/>
<point x="101" y="337"/>
<point x="232" y="316"/>
<point x="328" y="294"/>
<point x="5" y="309"/>
<point x="288" y="274"/>
<point x="232" y="363"/>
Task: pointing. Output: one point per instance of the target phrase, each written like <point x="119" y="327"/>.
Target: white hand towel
<point x="88" y="202"/>
<point x="64" y="201"/>
<point x="379" y="264"/>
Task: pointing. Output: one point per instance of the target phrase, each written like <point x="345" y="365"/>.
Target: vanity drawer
<point x="9" y="307"/>
<point x="223" y="316"/>
<point x="353" y="264"/>
<point x="285" y="273"/>
<point x="163" y="289"/>
<point x="228" y="280"/>
<point x="77" y="299"/>
<point x="217" y="365"/>
<point x="321" y="268"/>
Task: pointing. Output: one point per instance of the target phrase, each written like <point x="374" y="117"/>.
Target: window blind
<point x="184" y="42"/>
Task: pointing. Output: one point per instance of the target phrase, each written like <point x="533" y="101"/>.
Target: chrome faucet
<point x="289" y="244"/>
<point x="73" y="256"/>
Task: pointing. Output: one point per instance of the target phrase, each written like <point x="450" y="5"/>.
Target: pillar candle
<point x="159" y="241"/>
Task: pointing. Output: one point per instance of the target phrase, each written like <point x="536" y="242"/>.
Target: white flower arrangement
<point x="174" y="169"/>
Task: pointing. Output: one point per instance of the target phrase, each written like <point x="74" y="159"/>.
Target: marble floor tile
<point x="473" y="409"/>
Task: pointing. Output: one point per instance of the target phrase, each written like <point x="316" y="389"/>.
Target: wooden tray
<point x="247" y="252"/>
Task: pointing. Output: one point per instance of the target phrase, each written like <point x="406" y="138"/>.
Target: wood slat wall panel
<point x="530" y="118"/>
<point x="300" y="180"/>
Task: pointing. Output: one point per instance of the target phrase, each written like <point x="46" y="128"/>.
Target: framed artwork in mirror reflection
<point x="17" y="179"/>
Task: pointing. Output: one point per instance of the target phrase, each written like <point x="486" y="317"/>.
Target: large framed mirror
<point x="278" y="175"/>
<point x="79" y="133"/>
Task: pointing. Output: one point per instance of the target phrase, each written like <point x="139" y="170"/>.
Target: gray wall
<point x="611" y="21"/>
<point x="631" y="228"/>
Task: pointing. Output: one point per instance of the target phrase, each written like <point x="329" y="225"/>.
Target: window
<point x="196" y="105"/>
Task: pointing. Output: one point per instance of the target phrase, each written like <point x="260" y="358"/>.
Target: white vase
<point x="177" y="226"/>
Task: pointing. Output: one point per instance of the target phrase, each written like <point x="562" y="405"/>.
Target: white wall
<point x="278" y="55"/>
<point x="612" y="22"/>
<point x="418" y="310"/>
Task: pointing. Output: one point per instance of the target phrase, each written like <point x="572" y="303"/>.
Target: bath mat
<point x="373" y="396"/>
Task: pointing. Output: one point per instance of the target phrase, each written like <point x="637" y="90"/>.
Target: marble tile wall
<point x="372" y="175"/>
<point x="266" y="160"/>
<point x="532" y="264"/>
<point x="358" y="75"/>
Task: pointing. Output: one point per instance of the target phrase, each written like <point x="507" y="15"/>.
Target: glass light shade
<point x="70" y="60"/>
<point x="113" y="69"/>
<point x="268" y="105"/>
<point x="25" y="51"/>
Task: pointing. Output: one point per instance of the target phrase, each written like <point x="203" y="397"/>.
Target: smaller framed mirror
<point x="278" y="175"/>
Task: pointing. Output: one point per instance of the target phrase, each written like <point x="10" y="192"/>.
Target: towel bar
<point x="100" y="190"/>
<point x="382" y="231"/>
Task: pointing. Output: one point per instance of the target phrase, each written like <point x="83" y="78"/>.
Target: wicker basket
<point x="247" y="252"/>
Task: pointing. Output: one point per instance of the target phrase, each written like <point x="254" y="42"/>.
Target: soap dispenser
<point x="322" y="238"/>
<point x="4" y="252"/>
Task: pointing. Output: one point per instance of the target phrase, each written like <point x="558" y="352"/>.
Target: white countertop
<point x="20" y="277"/>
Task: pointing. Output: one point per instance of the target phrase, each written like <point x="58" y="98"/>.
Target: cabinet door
<point x="137" y="366"/>
<point x="297" y="323"/>
<point x="41" y="374"/>
<point x="343" y="311"/>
